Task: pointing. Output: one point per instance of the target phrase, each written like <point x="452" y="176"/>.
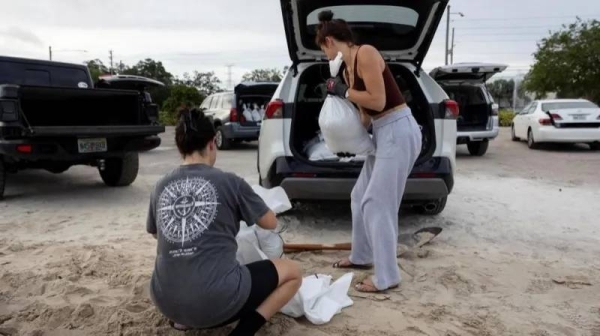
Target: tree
<point x="206" y="82"/>
<point x="568" y="63"/>
<point x="180" y="95"/>
<point x="151" y="69"/>
<point x="263" y="75"/>
<point x="97" y="69"/>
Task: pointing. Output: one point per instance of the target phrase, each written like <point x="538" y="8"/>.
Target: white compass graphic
<point x="186" y="208"/>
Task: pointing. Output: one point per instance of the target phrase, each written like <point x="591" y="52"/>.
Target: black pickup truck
<point x="52" y="117"/>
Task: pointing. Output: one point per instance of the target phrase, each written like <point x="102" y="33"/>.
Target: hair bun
<point x="325" y="16"/>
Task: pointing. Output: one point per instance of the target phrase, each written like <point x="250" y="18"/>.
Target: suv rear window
<point x="567" y="105"/>
<point x="21" y="73"/>
<point x="388" y="27"/>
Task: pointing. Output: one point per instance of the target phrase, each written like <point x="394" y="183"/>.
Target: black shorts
<point x="265" y="280"/>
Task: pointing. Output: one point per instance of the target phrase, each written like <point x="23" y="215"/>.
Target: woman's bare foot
<point x="346" y="263"/>
<point x="367" y="286"/>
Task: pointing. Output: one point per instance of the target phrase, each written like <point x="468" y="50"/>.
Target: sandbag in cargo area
<point x="316" y="149"/>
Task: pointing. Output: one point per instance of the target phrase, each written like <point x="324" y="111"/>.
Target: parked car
<point x="52" y="117"/>
<point x="403" y="32"/>
<point x="477" y="123"/>
<point x="558" y="121"/>
<point x="227" y="110"/>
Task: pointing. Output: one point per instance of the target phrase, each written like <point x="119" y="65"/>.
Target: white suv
<point x="477" y="122"/>
<point x="402" y="31"/>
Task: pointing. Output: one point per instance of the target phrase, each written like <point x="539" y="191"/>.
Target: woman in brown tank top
<point x="376" y="197"/>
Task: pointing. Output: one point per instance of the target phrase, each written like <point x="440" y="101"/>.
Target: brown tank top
<point x="393" y="95"/>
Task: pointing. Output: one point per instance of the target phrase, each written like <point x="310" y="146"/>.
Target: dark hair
<point x="194" y="130"/>
<point x="336" y="28"/>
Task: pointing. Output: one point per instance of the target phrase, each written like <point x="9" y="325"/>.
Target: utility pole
<point x="111" y="61"/>
<point x="229" y="76"/>
<point x="50" y="52"/>
<point x="447" y="33"/>
<point x="452" y="50"/>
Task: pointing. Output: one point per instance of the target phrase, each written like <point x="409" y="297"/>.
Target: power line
<point x="506" y="27"/>
<point x="532" y="17"/>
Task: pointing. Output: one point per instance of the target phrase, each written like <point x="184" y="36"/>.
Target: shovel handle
<point x="317" y="247"/>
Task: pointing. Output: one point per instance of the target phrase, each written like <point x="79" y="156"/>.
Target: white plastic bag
<point x="247" y="113"/>
<point x="248" y="250"/>
<point x="319" y="300"/>
<point x="320" y="152"/>
<point x="340" y="123"/>
<point x="276" y="198"/>
<point x="255" y="114"/>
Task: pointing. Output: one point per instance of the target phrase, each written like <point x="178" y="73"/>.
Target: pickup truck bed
<point x="51" y="117"/>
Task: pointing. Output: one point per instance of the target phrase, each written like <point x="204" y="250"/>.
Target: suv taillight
<point x="233" y="115"/>
<point x="274" y="110"/>
<point x="452" y="109"/>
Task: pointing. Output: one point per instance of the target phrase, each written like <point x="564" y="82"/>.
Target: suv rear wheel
<point x="2" y="177"/>
<point x="478" y="148"/>
<point x="223" y="143"/>
<point x="432" y="208"/>
<point x="120" y="172"/>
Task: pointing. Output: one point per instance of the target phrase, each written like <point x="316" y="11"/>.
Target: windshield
<point x="567" y="105"/>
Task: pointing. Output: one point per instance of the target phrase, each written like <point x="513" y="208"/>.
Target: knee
<point x="288" y="269"/>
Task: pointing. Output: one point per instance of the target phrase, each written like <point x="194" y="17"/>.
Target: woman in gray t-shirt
<point x="195" y="213"/>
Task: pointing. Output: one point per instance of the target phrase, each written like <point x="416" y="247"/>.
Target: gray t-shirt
<point x="196" y="211"/>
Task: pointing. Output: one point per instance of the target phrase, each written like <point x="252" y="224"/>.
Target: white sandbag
<point x="247" y="113"/>
<point x="275" y="198"/>
<point x="319" y="300"/>
<point x="340" y="124"/>
<point x="269" y="242"/>
<point x="248" y="250"/>
<point x="256" y="114"/>
<point x="320" y="152"/>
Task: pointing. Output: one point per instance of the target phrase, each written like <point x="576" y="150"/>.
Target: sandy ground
<point x="518" y="254"/>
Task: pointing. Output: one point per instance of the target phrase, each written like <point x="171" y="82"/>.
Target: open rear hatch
<point x="402" y="30"/>
<point x="251" y="101"/>
<point x="463" y="83"/>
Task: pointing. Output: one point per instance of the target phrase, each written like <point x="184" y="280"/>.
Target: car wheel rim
<point x="219" y="139"/>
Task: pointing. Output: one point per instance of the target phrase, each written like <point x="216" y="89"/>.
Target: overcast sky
<point x="188" y="35"/>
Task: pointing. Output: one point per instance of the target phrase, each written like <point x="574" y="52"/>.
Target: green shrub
<point x="506" y="117"/>
<point x="167" y="118"/>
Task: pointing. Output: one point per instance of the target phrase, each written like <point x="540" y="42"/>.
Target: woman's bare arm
<point x="370" y="68"/>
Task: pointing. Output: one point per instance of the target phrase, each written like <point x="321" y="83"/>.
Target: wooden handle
<point x="317" y="247"/>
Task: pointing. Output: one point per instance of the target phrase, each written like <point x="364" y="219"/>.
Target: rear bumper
<point x="237" y="131"/>
<point x="567" y="135"/>
<point x="66" y="149"/>
<point x="97" y="131"/>
<point x="429" y="181"/>
<point x="466" y="137"/>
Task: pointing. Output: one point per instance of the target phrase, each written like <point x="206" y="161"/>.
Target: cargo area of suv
<point x="310" y="96"/>
<point x="402" y="31"/>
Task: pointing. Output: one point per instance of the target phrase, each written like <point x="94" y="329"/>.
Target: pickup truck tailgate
<point x="56" y="107"/>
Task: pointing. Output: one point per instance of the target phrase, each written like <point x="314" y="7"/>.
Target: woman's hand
<point x="336" y="86"/>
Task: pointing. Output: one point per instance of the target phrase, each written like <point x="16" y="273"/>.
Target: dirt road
<point x="518" y="255"/>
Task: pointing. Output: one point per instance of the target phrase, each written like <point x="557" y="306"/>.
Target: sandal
<point x="348" y="264"/>
<point x="370" y="287"/>
<point x="178" y="326"/>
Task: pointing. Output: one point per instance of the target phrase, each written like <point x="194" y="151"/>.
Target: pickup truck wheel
<point x="432" y="208"/>
<point x="2" y="178"/>
<point x="478" y="148"/>
<point x="223" y="143"/>
<point x="120" y="172"/>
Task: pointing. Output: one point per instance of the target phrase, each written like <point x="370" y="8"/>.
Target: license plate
<point x="579" y="117"/>
<point x="92" y="145"/>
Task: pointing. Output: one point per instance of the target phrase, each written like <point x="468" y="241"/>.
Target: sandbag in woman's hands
<point x="337" y="87"/>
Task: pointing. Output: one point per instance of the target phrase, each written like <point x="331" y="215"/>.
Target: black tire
<point x="531" y="141"/>
<point x="595" y="146"/>
<point x="2" y="178"/>
<point x="513" y="135"/>
<point x="120" y="172"/>
<point x="432" y="208"/>
<point x="223" y="143"/>
<point x="478" y="148"/>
